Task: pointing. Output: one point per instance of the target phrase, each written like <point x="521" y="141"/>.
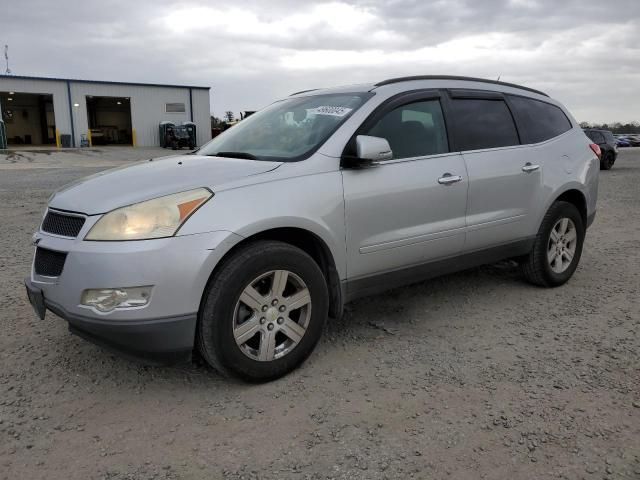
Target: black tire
<point x="214" y="337"/>
<point x="535" y="266"/>
<point x="607" y="161"/>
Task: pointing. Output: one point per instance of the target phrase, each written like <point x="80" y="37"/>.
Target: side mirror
<point x="369" y="151"/>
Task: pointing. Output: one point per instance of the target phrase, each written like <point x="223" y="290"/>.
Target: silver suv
<point x="242" y="249"/>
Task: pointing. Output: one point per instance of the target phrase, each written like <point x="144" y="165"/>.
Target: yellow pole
<point x="89" y="137"/>
<point x="134" y="140"/>
<point x="58" y="138"/>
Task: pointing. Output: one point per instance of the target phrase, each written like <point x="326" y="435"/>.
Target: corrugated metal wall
<point x="147" y="105"/>
<point x="50" y="87"/>
<point x="147" y="108"/>
<point x="202" y="116"/>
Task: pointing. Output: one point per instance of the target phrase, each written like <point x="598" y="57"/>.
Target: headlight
<point x="157" y="218"/>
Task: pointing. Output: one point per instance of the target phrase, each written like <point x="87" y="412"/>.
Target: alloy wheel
<point x="272" y="315"/>
<point x="561" y="248"/>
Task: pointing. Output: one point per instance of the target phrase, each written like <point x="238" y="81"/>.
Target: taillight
<point x="596" y="149"/>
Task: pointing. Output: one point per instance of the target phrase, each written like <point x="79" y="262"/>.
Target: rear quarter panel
<point x="577" y="169"/>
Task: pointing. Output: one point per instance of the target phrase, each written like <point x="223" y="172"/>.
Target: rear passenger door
<point x="504" y="180"/>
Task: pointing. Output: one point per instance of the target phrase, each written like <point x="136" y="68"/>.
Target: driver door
<point x="410" y="210"/>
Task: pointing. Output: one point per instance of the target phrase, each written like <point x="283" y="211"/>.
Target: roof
<point x="370" y="87"/>
<point x="454" y="77"/>
<point x="108" y="82"/>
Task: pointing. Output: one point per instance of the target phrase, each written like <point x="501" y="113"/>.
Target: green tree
<point x="216" y="122"/>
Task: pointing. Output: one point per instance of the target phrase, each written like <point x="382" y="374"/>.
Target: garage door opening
<point x="109" y="120"/>
<point x="29" y="118"/>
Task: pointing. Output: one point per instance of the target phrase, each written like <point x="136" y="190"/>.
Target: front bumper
<point x="163" y="340"/>
<point x="177" y="267"/>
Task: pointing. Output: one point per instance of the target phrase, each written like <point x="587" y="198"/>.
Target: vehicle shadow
<point x="393" y="309"/>
<point x="390" y="313"/>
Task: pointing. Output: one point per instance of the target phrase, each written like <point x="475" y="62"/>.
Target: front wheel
<point x="557" y="247"/>
<point x="263" y="312"/>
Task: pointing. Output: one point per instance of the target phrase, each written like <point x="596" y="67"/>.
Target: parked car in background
<point x="608" y="146"/>
<point x="622" y="141"/>
<point x="242" y="249"/>
<point x="634" y="140"/>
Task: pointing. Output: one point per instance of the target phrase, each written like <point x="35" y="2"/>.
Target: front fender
<point x="313" y="202"/>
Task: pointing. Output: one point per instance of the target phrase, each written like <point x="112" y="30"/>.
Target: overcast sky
<point x="584" y="53"/>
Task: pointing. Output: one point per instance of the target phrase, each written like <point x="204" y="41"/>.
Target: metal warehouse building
<point x="64" y="112"/>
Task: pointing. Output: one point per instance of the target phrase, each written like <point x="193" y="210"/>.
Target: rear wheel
<point x="557" y="247"/>
<point x="607" y="162"/>
<point x="263" y="312"/>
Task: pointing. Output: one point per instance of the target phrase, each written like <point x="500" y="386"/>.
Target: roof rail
<point x="454" y="77"/>
<point x="304" y="91"/>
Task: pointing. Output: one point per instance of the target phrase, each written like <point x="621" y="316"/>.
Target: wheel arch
<point x="578" y="199"/>
<point x="307" y="241"/>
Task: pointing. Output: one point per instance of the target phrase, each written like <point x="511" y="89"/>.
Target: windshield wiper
<point x="244" y="155"/>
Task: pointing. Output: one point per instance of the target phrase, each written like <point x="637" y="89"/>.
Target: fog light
<point x="108" y="299"/>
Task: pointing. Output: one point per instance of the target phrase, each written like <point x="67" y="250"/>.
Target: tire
<point x="537" y="266"/>
<point x="222" y="308"/>
<point x="607" y="162"/>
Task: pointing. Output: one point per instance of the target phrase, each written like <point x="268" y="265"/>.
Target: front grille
<point x="61" y="224"/>
<point x="49" y="263"/>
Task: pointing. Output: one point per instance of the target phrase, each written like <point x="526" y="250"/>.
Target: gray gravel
<point x="473" y="375"/>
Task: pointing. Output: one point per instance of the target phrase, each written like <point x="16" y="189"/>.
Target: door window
<point x="413" y="130"/>
<point x="538" y="121"/>
<point x="483" y="123"/>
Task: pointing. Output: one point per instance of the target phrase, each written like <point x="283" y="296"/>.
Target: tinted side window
<point x="413" y="130"/>
<point x="608" y="136"/>
<point x="483" y="123"/>
<point x="538" y="121"/>
<point x="597" y="137"/>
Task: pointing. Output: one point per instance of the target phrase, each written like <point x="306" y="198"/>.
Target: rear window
<point x="482" y="123"/>
<point x="538" y="121"/>
<point x="595" y="136"/>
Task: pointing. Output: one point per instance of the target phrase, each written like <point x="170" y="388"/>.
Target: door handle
<point x="528" y="167"/>
<point x="448" y="179"/>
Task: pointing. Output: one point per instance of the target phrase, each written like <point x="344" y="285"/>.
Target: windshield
<point x="287" y="130"/>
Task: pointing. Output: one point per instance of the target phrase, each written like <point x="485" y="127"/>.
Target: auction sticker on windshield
<point x="328" y="110"/>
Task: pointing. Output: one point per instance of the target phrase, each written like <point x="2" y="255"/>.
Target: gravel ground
<point x="472" y="375"/>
